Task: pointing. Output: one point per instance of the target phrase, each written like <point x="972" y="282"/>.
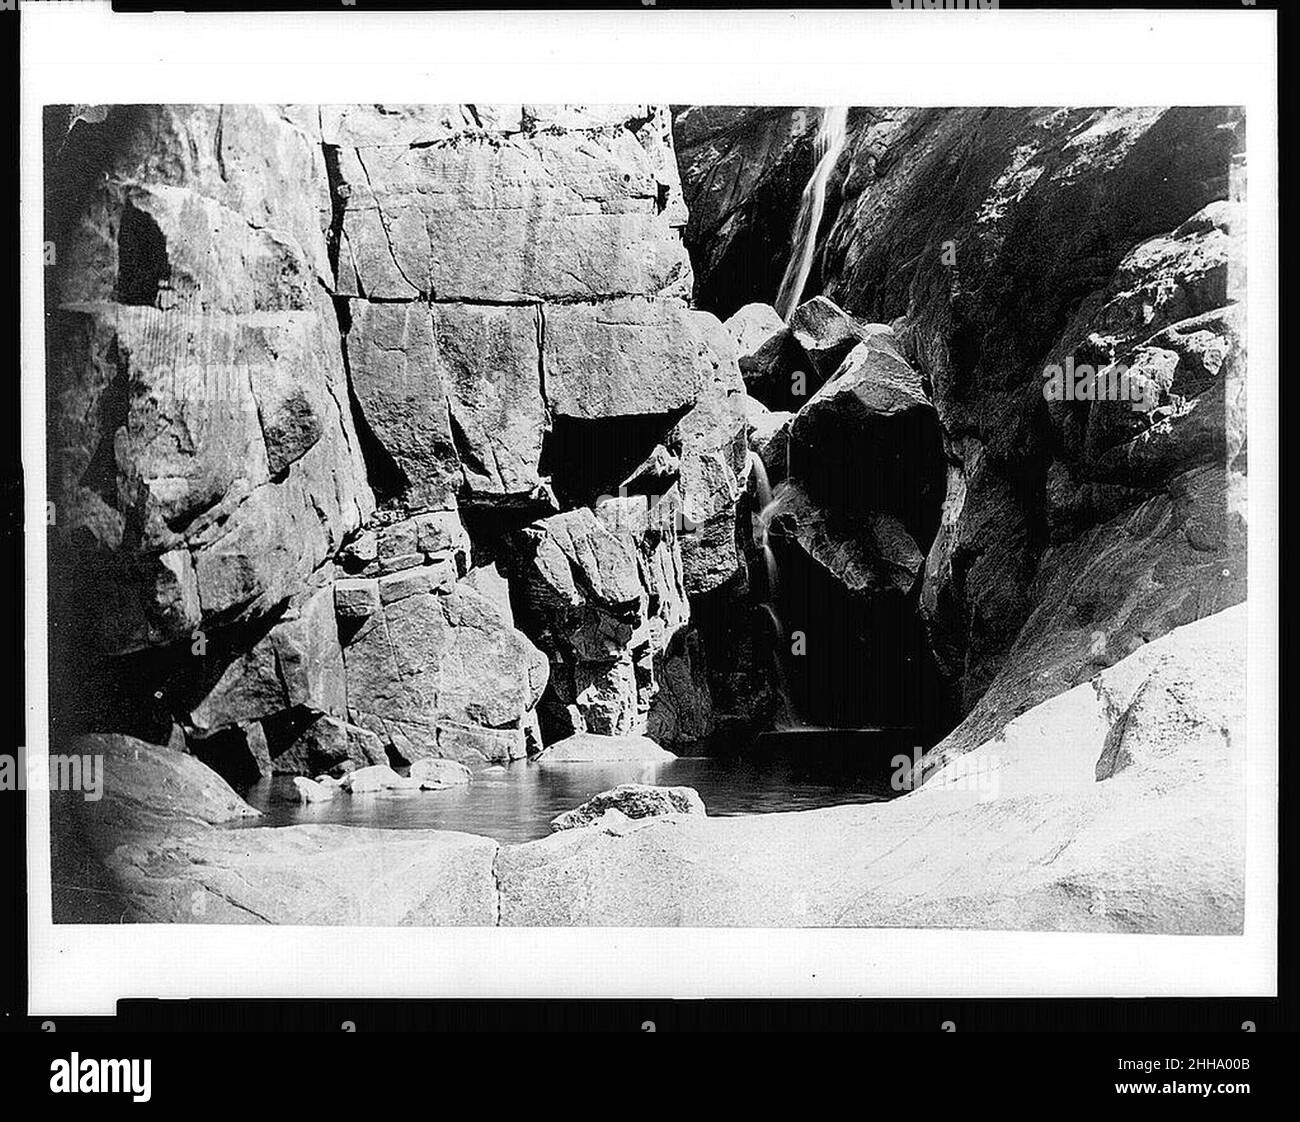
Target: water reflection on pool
<point x="517" y="803"/>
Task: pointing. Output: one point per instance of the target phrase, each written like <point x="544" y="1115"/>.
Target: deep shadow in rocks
<point x="856" y="661"/>
<point x="589" y="458"/>
<point x="142" y="264"/>
<point x="387" y="479"/>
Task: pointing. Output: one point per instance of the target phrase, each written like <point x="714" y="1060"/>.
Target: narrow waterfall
<point x="788" y="718"/>
<point x="831" y="134"/>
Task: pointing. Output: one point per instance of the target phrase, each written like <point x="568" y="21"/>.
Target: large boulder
<point x="491" y="358"/>
<point x="866" y="554"/>
<point x="435" y="774"/>
<point x="826" y="333"/>
<point x="148" y="790"/>
<point x="433" y="666"/>
<point x="309" y="791"/>
<point x="635" y="800"/>
<point x="869" y="439"/>
<point x="622" y="357"/>
<point x="402" y="392"/>
<point x="309" y="744"/>
<point x="752" y="326"/>
<point x="601" y="591"/>
<point x="297" y="663"/>
<point x="770" y="360"/>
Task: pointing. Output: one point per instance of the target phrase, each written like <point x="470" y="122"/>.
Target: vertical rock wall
<point x="378" y="431"/>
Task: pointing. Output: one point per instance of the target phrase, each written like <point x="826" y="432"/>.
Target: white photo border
<point x="83" y="53"/>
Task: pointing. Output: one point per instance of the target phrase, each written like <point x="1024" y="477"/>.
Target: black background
<point x="966" y="1061"/>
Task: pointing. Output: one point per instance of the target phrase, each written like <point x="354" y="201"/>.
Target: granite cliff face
<point x="380" y="432"/>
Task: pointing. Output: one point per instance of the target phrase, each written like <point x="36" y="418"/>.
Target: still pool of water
<point x="516" y="804"/>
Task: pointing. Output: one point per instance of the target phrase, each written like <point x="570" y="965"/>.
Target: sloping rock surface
<point x="1085" y="815"/>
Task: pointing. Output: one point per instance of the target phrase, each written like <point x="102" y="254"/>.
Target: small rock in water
<point x="631" y="800"/>
<point x="402" y="783"/>
<point x="435" y="774"/>
<point x="367" y="779"/>
<point x="309" y="791"/>
<point x="590" y="747"/>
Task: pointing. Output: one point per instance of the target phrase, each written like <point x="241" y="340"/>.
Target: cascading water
<point x="763" y="504"/>
<point x="831" y="134"/>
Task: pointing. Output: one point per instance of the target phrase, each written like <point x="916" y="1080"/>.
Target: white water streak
<point x="831" y="134"/>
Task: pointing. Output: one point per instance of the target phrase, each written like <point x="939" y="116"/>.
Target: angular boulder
<point x="621" y="357"/>
<point x="298" y="663"/>
<point x="826" y="333"/>
<point x="431" y="659"/>
<point x="868" y="440"/>
<point x="867" y="554"/>
<point x="768" y="357"/>
<point x="753" y="325"/>
<point x="769" y="438"/>
<point x="491" y="362"/>
<point x="403" y="395"/>
<point x="602" y="591"/>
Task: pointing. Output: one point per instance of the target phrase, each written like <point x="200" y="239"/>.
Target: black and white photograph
<point x="774" y="515"/>
<point x="648" y="515"/>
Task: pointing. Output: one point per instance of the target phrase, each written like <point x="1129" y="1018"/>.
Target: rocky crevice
<point x="998" y="243"/>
